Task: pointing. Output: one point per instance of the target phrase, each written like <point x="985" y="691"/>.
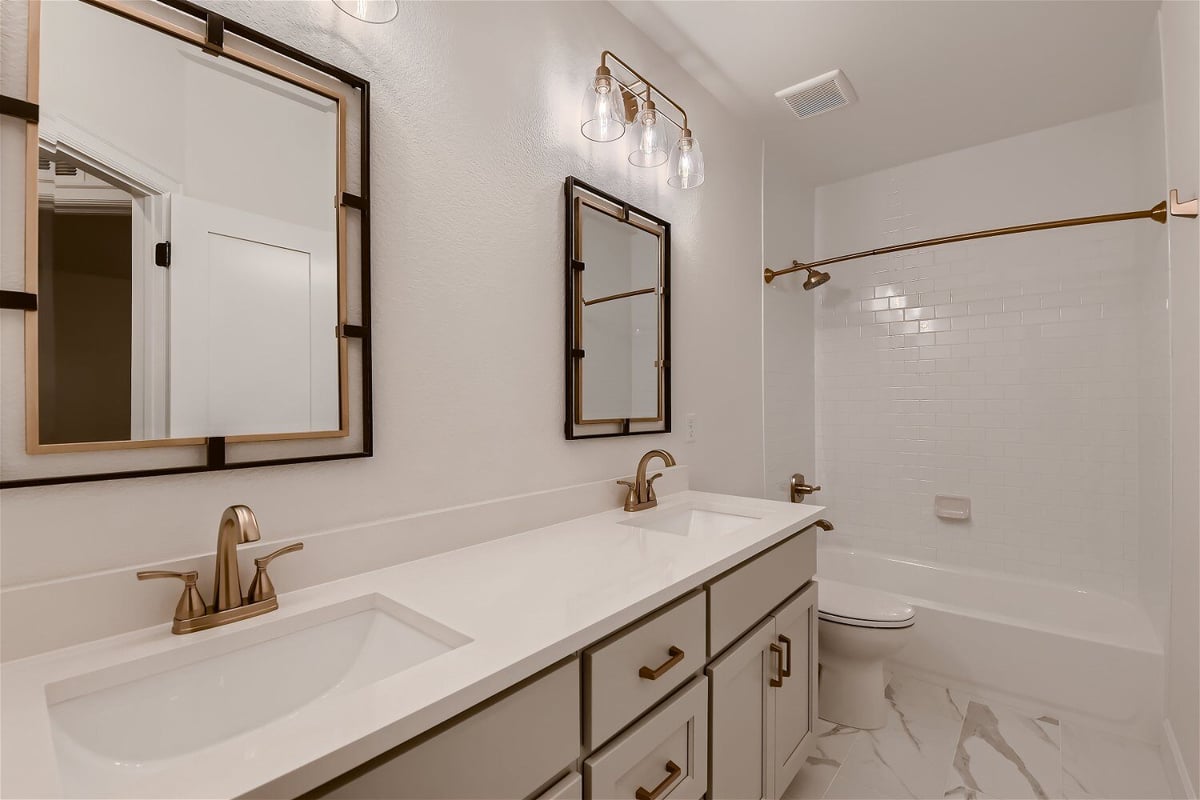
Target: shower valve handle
<point x="800" y="489"/>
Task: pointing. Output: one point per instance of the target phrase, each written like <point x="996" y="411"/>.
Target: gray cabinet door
<point x="502" y="750"/>
<point x="741" y="758"/>
<point x="795" y="700"/>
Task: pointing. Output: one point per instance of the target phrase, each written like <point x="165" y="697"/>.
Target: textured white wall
<point x="1154" y="352"/>
<point x="475" y="124"/>
<point x="1004" y="369"/>
<point x="788" y="377"/>
<point x="1179" y="24"/>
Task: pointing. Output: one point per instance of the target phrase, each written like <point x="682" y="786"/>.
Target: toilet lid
<point x="849" y="604"/>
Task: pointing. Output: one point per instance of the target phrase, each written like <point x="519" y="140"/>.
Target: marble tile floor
<point x="944" y="743"/>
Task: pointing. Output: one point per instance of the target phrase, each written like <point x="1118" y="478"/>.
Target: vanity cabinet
<point x="763" y="703"/>
<point x="664" y="756"/>
<point x="569" y="788"/>
<point x="507" y="747"/>
<point x="795" y="700"/>
<point x="626" y="674"/>
<point x="712" y="695"/>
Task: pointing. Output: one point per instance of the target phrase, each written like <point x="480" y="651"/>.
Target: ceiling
<point x="931" y="77"/>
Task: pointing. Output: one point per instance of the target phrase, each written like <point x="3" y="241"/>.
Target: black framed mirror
<point x="618" y="317"/>
<point x="197" y="260"/>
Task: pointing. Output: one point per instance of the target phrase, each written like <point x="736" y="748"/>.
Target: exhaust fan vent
<point x="818" y="95"/>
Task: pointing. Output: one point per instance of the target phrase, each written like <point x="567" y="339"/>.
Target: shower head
<point x="815" y="278"/>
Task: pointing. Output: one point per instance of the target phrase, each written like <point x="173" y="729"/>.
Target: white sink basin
<point x="692" y="521"/>
<point x="122" y="720"/>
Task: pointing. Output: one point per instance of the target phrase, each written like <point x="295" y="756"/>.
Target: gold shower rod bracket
<point x="1188" y="208"/>
<point x="1158" y="213"/>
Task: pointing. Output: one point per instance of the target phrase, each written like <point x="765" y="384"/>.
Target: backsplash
<point x="1004" y="369"/>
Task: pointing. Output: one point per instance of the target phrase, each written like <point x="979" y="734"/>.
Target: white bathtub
<point x="1077" y="652"/>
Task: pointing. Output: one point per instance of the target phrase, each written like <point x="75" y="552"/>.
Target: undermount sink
<point x="175" y="703"/>
<point x="692" y="521"/>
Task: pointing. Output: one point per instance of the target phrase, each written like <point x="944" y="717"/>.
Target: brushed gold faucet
<point x="238" y="526"/>
<point x="641" y="492"/>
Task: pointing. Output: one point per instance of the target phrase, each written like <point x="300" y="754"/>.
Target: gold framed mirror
<point x="618" y="317"/>
<point x="196" y="271"/>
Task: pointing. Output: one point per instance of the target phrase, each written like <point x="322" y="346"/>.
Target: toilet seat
<point x="848" y="604"/>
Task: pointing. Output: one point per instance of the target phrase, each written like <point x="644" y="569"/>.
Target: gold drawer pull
<point x="786" y="672"/>
<point x="673" y="773"/>
<point x="676" y="655"/>
<point x="777" y="650"/>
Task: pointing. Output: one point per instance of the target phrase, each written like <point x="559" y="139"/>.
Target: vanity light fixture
<point x="376" y="12"/>
<point x="610" y="104"/>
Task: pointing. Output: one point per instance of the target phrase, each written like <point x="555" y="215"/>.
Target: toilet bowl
<point x="857" y="629"/>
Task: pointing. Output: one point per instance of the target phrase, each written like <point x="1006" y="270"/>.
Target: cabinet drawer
<point x="742" y="597"/>
<point x="504" y="748"/>
<point x="665" y="755"/>
<point x="569" y="788"/>
<point x="632" y="670"/>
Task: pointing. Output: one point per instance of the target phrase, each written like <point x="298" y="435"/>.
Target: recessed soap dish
<point x="948" y="506"/>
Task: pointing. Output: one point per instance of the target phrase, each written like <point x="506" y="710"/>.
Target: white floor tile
<point x="1100" y="765"/>
<point x="1005" y="753"/>
<point x="908" y="756"/>
<point x="833" y="743"/>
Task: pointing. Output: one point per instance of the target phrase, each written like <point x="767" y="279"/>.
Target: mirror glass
<point x="143" y="140"/>
<point x="620" y="319"/>
<point x="618" y="375"/>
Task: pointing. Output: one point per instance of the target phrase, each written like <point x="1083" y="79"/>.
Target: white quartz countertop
<point x="525" y="601"/>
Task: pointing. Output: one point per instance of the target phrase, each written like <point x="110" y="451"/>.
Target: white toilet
<point x="858" y="628"/>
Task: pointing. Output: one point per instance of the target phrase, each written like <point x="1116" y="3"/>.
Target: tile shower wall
<point x="1004" y="369"/>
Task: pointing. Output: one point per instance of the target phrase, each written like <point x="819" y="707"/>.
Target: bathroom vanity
<point x="731" y="706"/>
<point x="661" y="653"/>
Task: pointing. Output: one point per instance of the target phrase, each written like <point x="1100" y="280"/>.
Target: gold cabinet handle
<point x="673" y="773"/>
<point x="191" y="602"/>
<point x="786" y="671"/>
<point x="261" y="587"/>
<point x="676" y="655"/>
<point x="778" y="651"/>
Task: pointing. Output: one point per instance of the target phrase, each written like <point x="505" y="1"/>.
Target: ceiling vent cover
<point x="818" y="95"/>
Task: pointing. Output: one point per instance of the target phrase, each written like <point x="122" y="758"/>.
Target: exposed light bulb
<point x="687" y="162"/>
<point x="649" y="149"/>
<point x="602" y="118"/>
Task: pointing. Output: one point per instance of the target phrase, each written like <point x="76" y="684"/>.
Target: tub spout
<point x="824" y="524"/>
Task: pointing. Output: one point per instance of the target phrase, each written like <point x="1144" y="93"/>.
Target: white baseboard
<point x="1172" y="758"/>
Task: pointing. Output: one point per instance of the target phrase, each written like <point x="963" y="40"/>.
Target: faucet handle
<point x="650" y="486"/>
<point x="261" y="587"/>
<point x="191" y="603"/>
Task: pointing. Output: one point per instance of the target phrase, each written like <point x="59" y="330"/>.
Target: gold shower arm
<point x="1158" y="214"/>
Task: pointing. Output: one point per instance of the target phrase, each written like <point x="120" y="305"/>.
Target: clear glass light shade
<point x="602" y="117"/>
<point x="374" y="11"/>
<point x="649" y="139"/>
<point x="686" y="168"/>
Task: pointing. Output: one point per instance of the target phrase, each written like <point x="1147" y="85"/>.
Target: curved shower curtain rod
<point x="1158" y="214"/>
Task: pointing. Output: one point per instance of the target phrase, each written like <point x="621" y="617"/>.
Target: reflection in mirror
<point x="620" y="319"/>
<point x="85" y="280"/>
<point x="238" y="169"/>
<point x="618" y="365"/>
